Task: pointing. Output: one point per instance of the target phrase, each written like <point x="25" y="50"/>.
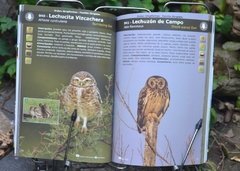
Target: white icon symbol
<point x="203" y="26"/>
<point x="29" y="16"/>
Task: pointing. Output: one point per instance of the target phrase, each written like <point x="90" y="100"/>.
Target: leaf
<point x="226" y="26"/>
<point x="236" y="158"/>
<point x="141" y="3"/>
<point x="223" y="23"/>
<point x="135" y="3"/>
<point x="213" y="116"/>
<point x="7" y="23"/>
<point x="2" y="70"/>
<point x="11" y="70"/>
<point x="208" y="166"/>
<point x="220" y="4"/>
<point x="238" y="102"/>
<point x="113" y="3"/>
<point x="92" y="4"/>
<point x="10" y="62"/>
<point x="231" y="46"/>
<point x="219" y="80"/>
<point x="215" y="84"/>
<point x="147" y="4"/>
<point x="236" y="67"/>
<point x="185" y="8"/>
<point x="30" y="2"/>
<point x="4" y="48"/>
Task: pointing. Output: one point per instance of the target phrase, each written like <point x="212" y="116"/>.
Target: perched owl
<point x="82" y="94"/>
<point x="153" y="101"/>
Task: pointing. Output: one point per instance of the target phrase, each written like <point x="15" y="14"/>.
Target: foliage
<point x="238" y="103"/>
<point x="9" y="67"/>
<point x="231" y="46"/>
<point x="185" y="8"/>
<point x="223" y="23"/>
<point x="213" y="116"/>
<point x="30" y="2"/>
<point x="7" y="47"/>
<point x="218" y="81"/>
<point x="208" y="166"/>
<point x="141" y="3"/>
<point x="237" y="67"/>
<point x="221" y="5"/>
<point x="6" y="24"/>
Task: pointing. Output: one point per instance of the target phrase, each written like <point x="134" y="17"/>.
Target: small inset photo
<point x="28" y="45"/>
<point x="202" y="46"/>
<point x="29" y="30"/>
<point x="28" y="60"/>
<point x="201" y="68"/>
<point x="37" y="110"/>
<point x="202" y="39"/>
<point x="201" y="54"/>
<point x="29" y="37"/>
<point x="28" y="53"/>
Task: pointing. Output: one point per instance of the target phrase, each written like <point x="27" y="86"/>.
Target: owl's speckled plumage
<point x="153" y="101"/>
<point x="82" y="94"/>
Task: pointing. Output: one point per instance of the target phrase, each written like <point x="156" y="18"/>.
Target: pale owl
<point x="153" y="101"/>
<point x="82" y="94"/>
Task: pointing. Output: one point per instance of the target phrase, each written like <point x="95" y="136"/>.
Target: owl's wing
<point x="167" y="96"/>
<point x="163" y="104"/>
<point x="141" y="107"/>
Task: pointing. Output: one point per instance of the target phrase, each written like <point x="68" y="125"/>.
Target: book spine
<point x="18" y="84"/>
<point x="210" y="85"/>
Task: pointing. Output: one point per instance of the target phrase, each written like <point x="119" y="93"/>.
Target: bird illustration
<point x="35" y="112"/>
<point x="153" y="101"/>
<point x="82" y="94"/>
<point x="46" y="112"/>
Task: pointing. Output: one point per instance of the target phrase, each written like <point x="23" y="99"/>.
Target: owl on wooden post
<point x="82" y="94"/>
<point x="153" y="101"/>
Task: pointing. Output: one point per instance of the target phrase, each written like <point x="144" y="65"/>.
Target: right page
<point x="163" y="88"/>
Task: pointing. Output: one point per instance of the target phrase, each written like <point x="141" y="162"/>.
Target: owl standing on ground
<point x="46" y="112"/>
<point x="153" y="101"/>
<point x="82" y="94"/>
<point x="35" y="112"/>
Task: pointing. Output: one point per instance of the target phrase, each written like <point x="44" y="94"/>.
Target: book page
<point x="65" y="62"/>
<point x="162" y="88"/>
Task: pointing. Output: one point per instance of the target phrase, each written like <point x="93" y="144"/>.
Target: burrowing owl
<point x="153" y="101"/>
<point x="82" y="94"/>
<point x="35" y="112"/>
<point x="46" y="111"/>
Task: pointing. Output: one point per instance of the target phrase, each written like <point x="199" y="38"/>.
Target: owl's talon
<point x="84" y="130"/>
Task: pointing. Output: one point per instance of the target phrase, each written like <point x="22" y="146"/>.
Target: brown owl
<point x="82" y="94"/>
<point x="153" y="101"/>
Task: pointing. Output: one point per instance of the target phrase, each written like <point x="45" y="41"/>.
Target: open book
<point x="139" y="82"/>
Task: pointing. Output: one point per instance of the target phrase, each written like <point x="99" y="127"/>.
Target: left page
<point x="65" y="62"/>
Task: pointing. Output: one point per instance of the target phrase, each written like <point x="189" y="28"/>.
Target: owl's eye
<point x="161" y="83"/>
<point x="75" y="79"/>
<point x="152" y="83"/>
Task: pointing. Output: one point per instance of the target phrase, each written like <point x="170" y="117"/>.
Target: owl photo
<point x="153" y="101"/>
<point x="82" y="94"/>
